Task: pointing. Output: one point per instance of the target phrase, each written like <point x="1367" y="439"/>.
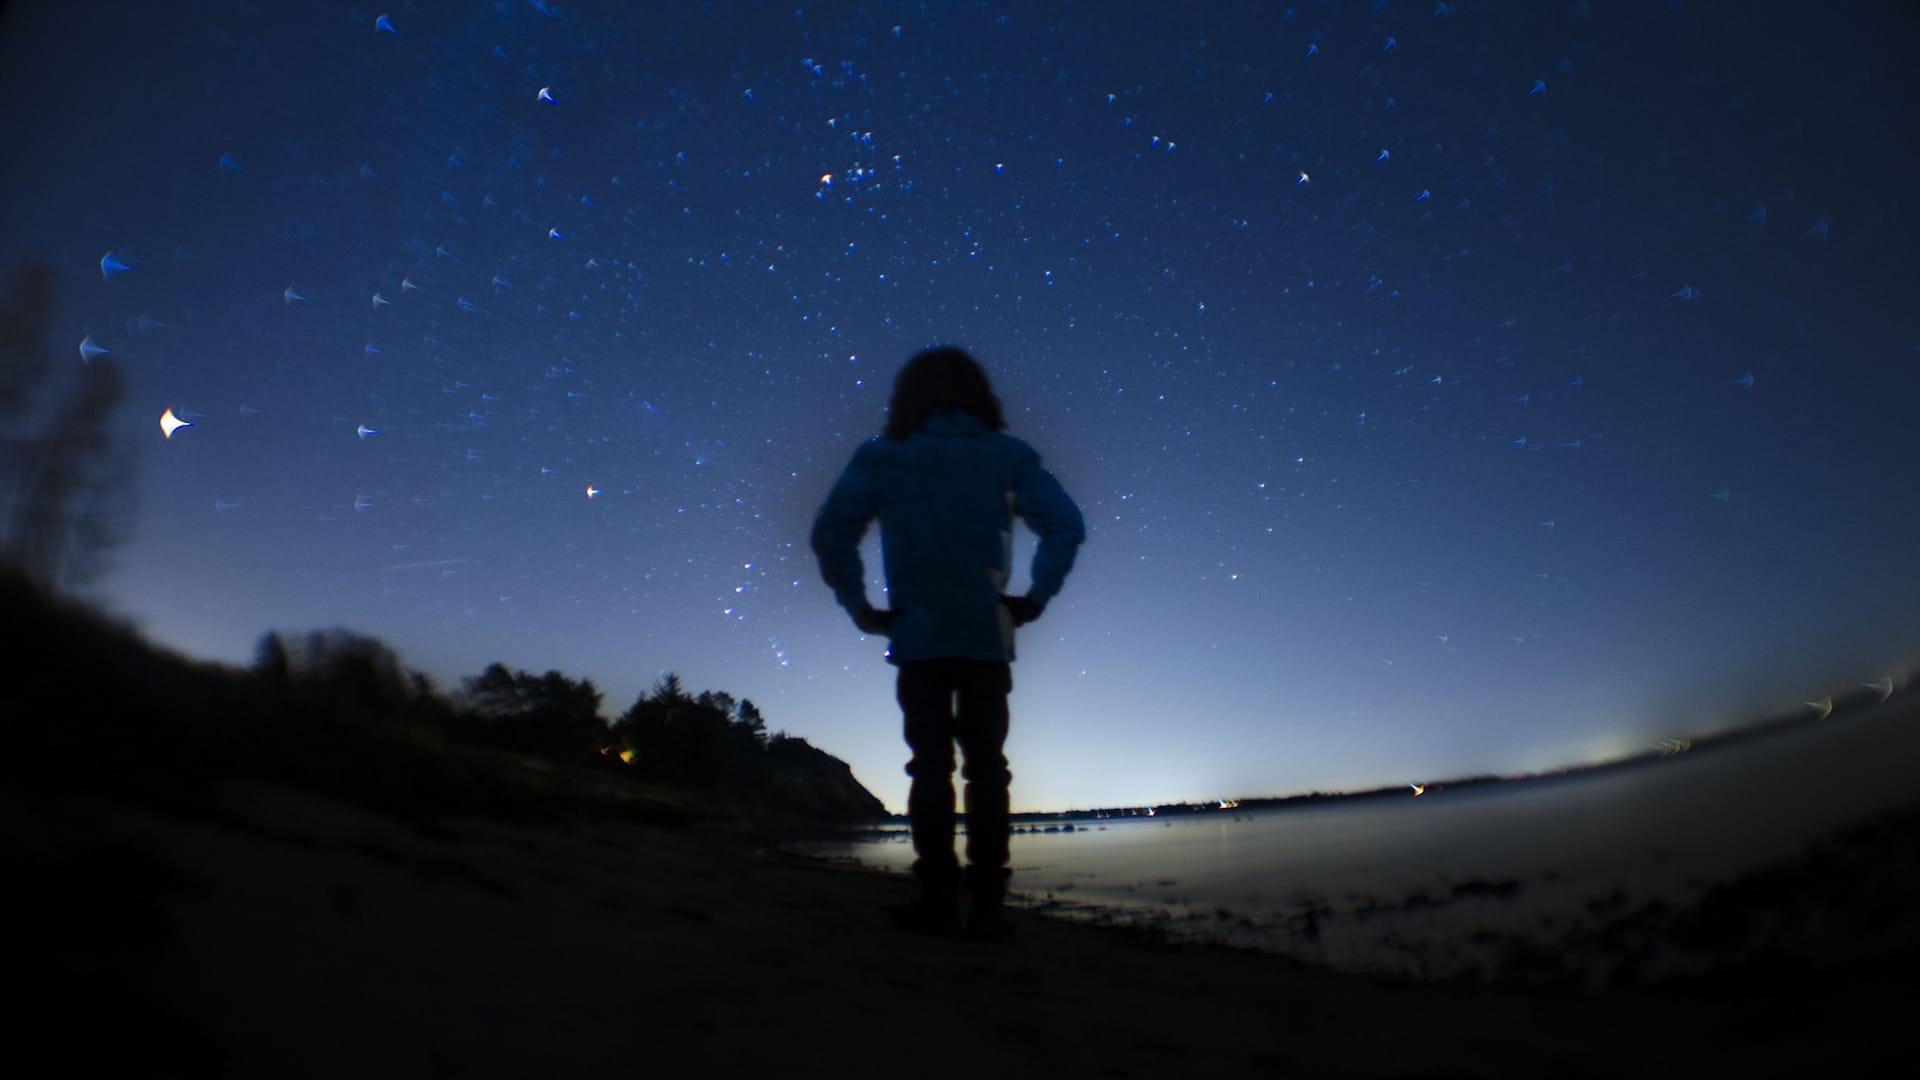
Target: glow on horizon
<point x="1050" y="755"/>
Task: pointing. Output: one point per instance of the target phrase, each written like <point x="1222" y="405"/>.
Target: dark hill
<point x="92" y="706"/>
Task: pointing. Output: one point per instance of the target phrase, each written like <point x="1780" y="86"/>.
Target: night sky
<point x="1449" y="388"/>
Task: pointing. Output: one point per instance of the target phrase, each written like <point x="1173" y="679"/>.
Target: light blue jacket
<point x="946" y="498"/>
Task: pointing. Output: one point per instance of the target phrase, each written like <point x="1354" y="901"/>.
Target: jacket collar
<point x="954" y="423"/>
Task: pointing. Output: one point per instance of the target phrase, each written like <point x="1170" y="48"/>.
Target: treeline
<point x="667" y="735"/>
<point x="91" y="704"/>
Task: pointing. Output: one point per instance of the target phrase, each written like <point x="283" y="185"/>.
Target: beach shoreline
<point x="286" y="934"/>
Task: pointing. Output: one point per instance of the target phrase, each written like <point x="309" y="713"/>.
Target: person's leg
<point x="980" y="725"/>
<point x="925" y="692"/>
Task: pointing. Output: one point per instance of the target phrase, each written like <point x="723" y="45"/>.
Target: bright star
<point x="170" y="423"/>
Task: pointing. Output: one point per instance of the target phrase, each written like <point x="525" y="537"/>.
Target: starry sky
<point x="1448" y="387"/>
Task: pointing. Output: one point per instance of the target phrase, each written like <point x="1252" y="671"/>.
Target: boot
<point x="935" y="911"/>
<point x="986" y="911"/>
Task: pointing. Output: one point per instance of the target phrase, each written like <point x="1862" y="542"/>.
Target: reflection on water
<point x="1437" y="885"/>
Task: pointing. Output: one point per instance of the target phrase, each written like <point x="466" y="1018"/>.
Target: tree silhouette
<point x="751" y="719"/>
<point x="271" y="661"/>
<point x="354" y="674"/>
<point x="64" y="483"/>
<point x="669" y="689"/>
<point x="679" y="738"/>
<point x="543" y="714"/>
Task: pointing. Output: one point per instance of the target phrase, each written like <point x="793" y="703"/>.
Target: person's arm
<point x="837" y="530"/>
<point x="1050" y="513"/>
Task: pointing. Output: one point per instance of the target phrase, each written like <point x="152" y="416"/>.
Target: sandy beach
<point x="281" y="934"/>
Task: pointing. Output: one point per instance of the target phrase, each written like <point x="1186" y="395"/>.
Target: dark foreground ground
<point x="272" y="933"/>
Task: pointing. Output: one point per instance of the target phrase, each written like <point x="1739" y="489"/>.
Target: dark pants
<point x="964" y="701"/>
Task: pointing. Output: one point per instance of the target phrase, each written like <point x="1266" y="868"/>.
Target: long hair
<point x="938" y="381"/>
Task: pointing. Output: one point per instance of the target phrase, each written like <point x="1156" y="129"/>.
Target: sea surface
<point x="1448" y="883"/>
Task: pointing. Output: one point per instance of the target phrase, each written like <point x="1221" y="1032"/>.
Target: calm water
<point x="1412" y="884"/>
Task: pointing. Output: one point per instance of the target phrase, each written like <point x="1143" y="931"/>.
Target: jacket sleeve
<point x="837" y="530"/>
<point x="1050" y="513"/>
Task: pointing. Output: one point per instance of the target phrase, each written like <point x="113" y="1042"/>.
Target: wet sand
<point x="286" y="935"/>
<point x="1802" y="833"/>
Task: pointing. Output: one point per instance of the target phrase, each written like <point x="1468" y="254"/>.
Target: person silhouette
<point x="946" y="484"/>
